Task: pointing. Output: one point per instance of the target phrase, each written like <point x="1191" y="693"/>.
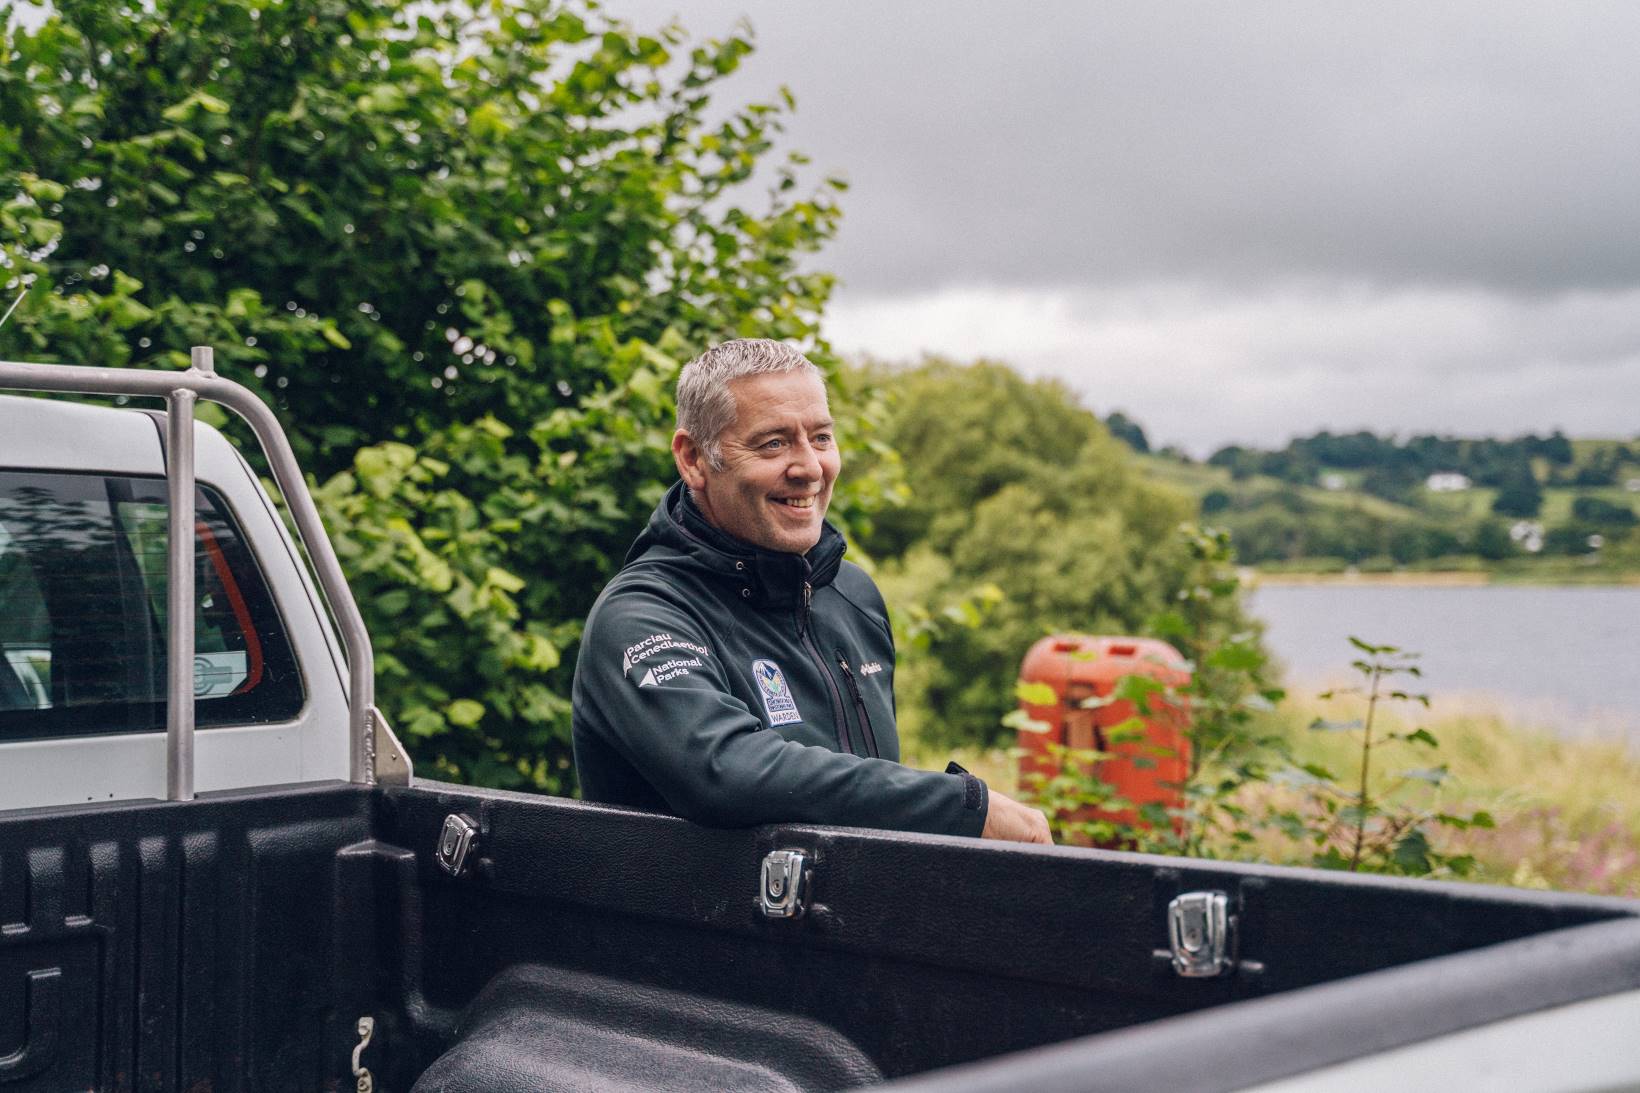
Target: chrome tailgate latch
<point x="455" y="842"/>
<point x="785" y="883"/>
<point x="1199" y="926"/>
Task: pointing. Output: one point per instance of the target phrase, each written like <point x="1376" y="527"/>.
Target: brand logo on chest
<point x="778" y="702"/>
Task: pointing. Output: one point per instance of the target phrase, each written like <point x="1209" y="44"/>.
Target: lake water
<point x="1567" y="658"/>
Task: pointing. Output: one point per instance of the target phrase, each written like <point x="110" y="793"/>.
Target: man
<point x="737" y="671"/>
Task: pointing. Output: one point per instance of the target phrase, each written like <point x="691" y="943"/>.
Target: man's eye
<point x="773" y="445"/>
<point x="823" y="439"/>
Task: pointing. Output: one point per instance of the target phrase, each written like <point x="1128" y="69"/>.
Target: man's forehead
<point x="779" y="399"/>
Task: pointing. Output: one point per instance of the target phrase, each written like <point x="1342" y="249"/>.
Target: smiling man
<point x="737" y="670"/>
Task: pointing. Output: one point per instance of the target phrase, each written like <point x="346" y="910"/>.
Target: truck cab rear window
<point x="83" y="612"/>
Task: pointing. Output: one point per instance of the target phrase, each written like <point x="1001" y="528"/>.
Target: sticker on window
<point x="218" y="674"/>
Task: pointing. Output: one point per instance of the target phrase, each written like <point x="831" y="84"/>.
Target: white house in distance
<point x="1447" y="482"/>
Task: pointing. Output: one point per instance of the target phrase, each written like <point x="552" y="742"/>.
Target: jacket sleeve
<point x="710" y="758"/>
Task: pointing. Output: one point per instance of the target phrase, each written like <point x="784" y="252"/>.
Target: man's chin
<point x="789" y="540"/>
<point x="797" y="544"/>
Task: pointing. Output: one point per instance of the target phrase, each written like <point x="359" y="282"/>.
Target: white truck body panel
<point x="1587" y="1047"/>
<point x="58" y="436"/>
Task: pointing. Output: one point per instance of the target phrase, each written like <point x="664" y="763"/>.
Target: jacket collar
<point x="768" y="578"/>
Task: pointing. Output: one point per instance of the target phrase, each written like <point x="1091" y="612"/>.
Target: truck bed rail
<point x="181" y="390"/>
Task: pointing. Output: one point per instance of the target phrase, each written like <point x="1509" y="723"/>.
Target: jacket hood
<point x="678" y="531"/>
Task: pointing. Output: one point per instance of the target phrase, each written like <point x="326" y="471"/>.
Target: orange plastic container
<point x="1079" y="667"/>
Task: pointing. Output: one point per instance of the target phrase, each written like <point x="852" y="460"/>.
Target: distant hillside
<point x="1534" y="506"/>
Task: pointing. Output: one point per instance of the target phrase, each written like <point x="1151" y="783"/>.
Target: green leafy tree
<point x="1128" y="431"/>
<point x="463" y="249"/>
<point x="1519" y="493"/>
<point x="1597" y="510"/>
<point x="1014" y="485"/>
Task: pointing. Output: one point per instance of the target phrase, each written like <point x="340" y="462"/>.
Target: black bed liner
<point x="234" y="941"/>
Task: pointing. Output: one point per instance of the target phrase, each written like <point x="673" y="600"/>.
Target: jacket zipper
<point x="840" y="723"/>
<point x="859" y="704"/>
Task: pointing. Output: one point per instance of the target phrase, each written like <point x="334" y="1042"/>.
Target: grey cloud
<point x="1203" y="367"/>
<point x="1480" y="144"/>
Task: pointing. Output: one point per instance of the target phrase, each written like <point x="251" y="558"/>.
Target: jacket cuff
<point x="976" y="801"/>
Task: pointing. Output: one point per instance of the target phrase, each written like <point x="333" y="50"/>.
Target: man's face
<point x="779" y="462"/>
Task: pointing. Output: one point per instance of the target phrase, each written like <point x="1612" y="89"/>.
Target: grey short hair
<point x="706" y="406"/>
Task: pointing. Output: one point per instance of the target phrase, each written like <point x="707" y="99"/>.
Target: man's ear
<point x="691" y="460"/>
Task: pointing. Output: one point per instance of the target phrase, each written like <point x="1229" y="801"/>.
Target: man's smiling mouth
<point x="796" y="502"/>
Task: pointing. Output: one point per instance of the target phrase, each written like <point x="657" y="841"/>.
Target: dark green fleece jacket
<point x="735" y="686"/>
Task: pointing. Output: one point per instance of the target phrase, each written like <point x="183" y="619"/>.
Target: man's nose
<point x="805" y="462"/>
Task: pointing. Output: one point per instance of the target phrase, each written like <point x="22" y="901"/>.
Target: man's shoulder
<point x="855" y="585"/>
<point x="642" y="593"/>
<point x="635" y="621"/>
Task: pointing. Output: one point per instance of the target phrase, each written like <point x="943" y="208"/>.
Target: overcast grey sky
<point x="1235" y="221"/>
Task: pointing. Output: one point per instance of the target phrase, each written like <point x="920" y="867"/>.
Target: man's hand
<point x="1006" y="818"/>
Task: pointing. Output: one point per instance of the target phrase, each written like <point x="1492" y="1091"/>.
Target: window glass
<point x="83" y="612"/>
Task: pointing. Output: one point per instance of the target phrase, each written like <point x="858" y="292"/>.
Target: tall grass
<point x="1567" y="810"/>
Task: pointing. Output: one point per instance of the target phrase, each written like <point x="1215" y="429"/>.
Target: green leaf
<point x="1412" y="853"/>
<point x="1321" y="724"/>
<point x="199" y="100"/>
<point x="503" y="580"/>
<point x="464" y="712"/>
<point x="1036" y="694"/>
<point x="488" y="122"/>
<point x="43" y="190"/>
<point x="1423" y="736"/>
<point x="1237" y="658"/>
<point x="1127" y="731"/>
<point x="1136" y="688"/>
<point x="394" y="602"/>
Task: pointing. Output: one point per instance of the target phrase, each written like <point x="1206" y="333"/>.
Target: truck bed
<point x="233" y="943"/>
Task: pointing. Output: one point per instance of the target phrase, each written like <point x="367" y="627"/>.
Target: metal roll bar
<point x="181" y="390"/>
